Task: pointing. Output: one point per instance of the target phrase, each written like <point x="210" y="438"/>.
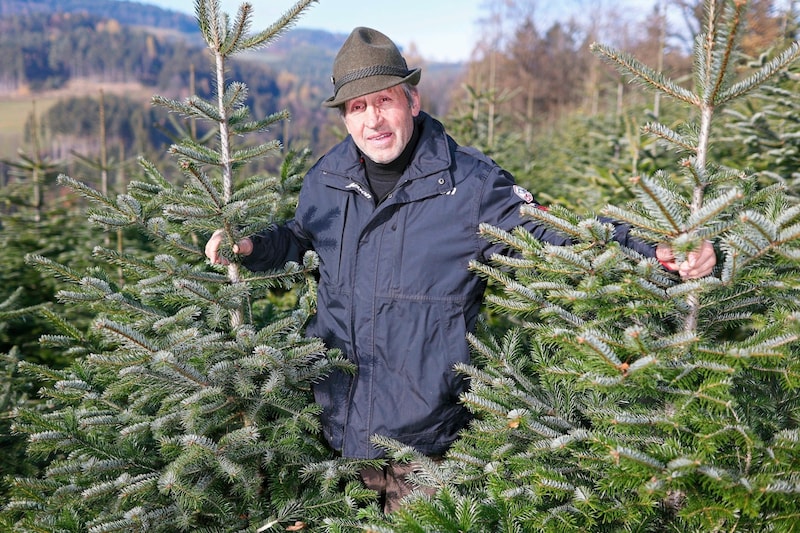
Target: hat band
<point x="377" y="70"/>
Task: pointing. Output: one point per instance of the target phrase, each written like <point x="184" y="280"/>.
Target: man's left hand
<point x="698" y="263"/>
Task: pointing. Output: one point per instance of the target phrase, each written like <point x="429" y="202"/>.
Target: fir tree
<point x="15" y="393"/>
<point x="762" y="132"/>
<point x="188" y="406"/>
<point x="628" y="399"/>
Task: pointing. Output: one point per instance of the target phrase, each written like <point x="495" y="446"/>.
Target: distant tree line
<point x="535" y="89"/>
<point x="46" y="50"/>
<point x="130" y="13"/>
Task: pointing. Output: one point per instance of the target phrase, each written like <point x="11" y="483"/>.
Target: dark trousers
<point x="391" y="484"/>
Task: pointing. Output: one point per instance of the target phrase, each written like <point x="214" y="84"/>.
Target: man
<point x="393" y="213"/>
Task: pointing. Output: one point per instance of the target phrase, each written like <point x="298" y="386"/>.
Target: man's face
<point x="381" y="123"/>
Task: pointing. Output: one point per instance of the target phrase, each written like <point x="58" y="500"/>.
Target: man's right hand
<point x="243" y="247"/>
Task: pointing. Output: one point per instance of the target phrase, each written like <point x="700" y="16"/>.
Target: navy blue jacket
<point x="395" y="291"/>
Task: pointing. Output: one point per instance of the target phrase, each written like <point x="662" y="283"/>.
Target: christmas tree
<point x="626" y="398"/>
<point x="188" y="405"/>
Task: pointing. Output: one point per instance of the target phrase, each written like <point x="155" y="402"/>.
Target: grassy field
<point x="15" y="108"/>
<point x="14" y="112"/>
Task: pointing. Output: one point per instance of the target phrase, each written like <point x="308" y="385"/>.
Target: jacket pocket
<point x="415" y="390"/>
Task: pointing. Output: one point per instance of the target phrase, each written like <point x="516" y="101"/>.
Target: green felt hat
<point x="368" y="62"/>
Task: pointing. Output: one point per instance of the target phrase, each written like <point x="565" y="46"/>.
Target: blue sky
<point x="441" y="30"/>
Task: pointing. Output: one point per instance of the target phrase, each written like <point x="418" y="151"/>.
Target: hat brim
<point x="372" y="84"/>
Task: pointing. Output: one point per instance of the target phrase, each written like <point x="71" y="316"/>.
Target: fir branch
<point x="491" y="272"/>
<point x="128" y="205"/>
<point x="109" y="221"/>
<point x="764" y="227"/>
<point x="121" y="302"/>
<point x="263" y="125"/>
<point x="721" y="42"/>
<point x="195" y="289"/>
<point x="126" y="334"/>
<point x="11" y="314"/>
<point x="193" y="107"/>
<point x="596" y="231"/>
<point x="59" y="271"/>
<point x="256" y="152"/>
<point x="206" y="12"/>
<point x="257" y="192"/>
<point x="197" y="153"/>
<point x="637" y="457"/>
<point x="564" y="441"/>
<point x="790" y="254"/>
<point x="787" y="234"/>
<point x="642" y="223"/>
<point x="787" y="214"/>
<point x="86" y="191"/>
<point x="642" y="364"/>
<point x="235" y="34"/>
<point x="152" y="173"/>
<point x="652" y="289"/>
<point x="196" y="107"/>
<point x="516" y="263"/>
<point x="42" y="372"/>
<point x="483" y="405"/>
<point x="131" y="262"/>
<point x="563" y="314"/>
<point x="277" y="28"/>
<point x="498" y="235"/>
<point x="738" y="245"/>
<point x="660" y="200"/>
<point x="567" y="256"/>
<point x="764" y="74"/>
<point x="181" y="318"/>
<point x="559" y="224"/>
<point x="644" y="74"/>
<point x="186" y="211"/>
<point x="204" y="183"/>
<point x="234" y="98"/>
<point x="120" y="359"/>
<point x="680" y="341"/>
<point x="669" y="135"/>
<point x="599" y="346"/>
<point x="710" y="210"/>
<point x="694" y="286"/>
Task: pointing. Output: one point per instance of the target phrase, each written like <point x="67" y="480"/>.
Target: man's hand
<point x="698" y="263"/>
<point x="243" y="247"/>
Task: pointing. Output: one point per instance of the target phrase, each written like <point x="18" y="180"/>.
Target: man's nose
<point x="373" y="116"/>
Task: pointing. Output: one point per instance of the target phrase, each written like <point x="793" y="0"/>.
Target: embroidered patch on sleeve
<point x="524" y="194"/>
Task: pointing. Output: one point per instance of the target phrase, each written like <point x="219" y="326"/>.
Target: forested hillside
<point x="66" y="52"/>
<point x="46" y="50"/>
<point x="124" y="11"/>
<point x="74" y="48"/>
<point x="45" y="44"/>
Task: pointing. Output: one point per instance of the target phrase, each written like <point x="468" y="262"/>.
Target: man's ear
<point x="415" y="103"/>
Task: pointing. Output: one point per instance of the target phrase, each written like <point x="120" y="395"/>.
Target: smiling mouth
<point x="380" y="137"/>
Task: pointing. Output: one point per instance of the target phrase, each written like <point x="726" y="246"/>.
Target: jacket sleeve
<point x="622" y="234"/>
<point x="275" y="246"/>
<point x="500" y="207"/>
<point x="278" y="244"/>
